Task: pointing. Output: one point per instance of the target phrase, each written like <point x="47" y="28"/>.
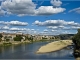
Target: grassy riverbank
<point x="20" y="42"/>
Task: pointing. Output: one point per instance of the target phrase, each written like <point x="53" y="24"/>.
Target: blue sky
<point x="40" y="17"/>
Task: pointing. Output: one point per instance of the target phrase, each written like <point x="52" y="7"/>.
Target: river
<point x="28" y="51"/>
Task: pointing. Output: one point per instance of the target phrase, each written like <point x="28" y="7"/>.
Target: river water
<point x="28" y="51"/>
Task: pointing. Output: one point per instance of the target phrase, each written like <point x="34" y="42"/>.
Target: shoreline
<point x="18" y="42"/>
<point x="13" y="43"/>
<point x="54" y="46"/>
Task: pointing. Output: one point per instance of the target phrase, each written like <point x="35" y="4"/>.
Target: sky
<point x="46" y="17"/>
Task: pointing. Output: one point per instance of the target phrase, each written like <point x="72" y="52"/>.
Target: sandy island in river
<point x="54" y="46"/>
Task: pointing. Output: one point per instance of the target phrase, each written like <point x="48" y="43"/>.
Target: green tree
<point x="7" y="40"/>
<point x="1" y="37"/>
<point x="76" y="39"/>
<point x="30" y="38"/>
<point x="18" y="38"/>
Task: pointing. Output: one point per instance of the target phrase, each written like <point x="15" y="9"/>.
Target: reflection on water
<point x="28" y="51"/>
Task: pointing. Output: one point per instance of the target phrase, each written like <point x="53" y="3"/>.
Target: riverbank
<point x="13" y="43"/>
<point x="54" y="46"/>
<point x="5" y="43"/>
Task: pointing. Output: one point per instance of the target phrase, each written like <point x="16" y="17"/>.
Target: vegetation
<point x="44" y="38"/>
<point x="7" y="40"/>
<point x="1" y="37"/>
<point x="76" y="41"/>
<point x="64" y="36"/>
<point x="29" y="38"/>
<point x="7" y="44"/>
<point x="18" y="38"/>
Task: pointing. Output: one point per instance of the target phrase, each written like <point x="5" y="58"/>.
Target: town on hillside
<point x="20" y="37"/>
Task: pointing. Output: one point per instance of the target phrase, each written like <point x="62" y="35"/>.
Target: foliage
<point x="76" y="38"/>
<point x="52" y="38"/>
<point x="44" y="38"/>
<point x="18" y="38"/>
<point x="64" y="36"/>
<point x="29" y="38"/>
<point x="7" y="39"/>
<point x="1" y="36"/>
<point x="0" y="39"/>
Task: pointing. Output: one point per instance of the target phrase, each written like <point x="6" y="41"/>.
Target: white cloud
<point x="48" y="10"/>
<point x="18" y="23"/>
<point x="56" y="3"/>
<point x="73" y="27"/>
<point x="14" y="23"/>
<point x="52" y="27"/>
<point x="55" y="27"/>
<point x="32" y="29"/>
<point x="4" y="28"/>
<point x="54" y="30"/>
<point x="19" y="7"/>
<point x="2" y="12"/>
<point x="27" y="7"/>
<point x="17" y="29"/>
<point x="45" y="30"/>
<point x="77" y="10"/>
<point x="59" y="23"/>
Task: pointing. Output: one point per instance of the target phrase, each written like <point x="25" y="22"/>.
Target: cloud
<point x="48" y="10"/>
<point x="2" y="12"/>
<point x="27" y="7"/>
<point x="17" y="29"/>
<point x="52" y="27"/>
<point x="4" y="28"/>
<point x="64" y="28"/>
<point x="75" y="28"/>
<point x="45" y="30"/>
<point x="14" y="23"/>
<point x="54" y="30"/>
<point x="19" y="7"/>
<point x="59" y="23"/>
<point x="32" y="29"/>
<point x="56" y="3"/>
<point x="77" y="10"/>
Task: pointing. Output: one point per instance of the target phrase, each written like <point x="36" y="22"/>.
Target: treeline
<point x="64" y="36"/>
<point x="76" y="41"/>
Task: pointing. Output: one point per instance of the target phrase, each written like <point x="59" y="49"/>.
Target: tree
<point x="30" y="38"/>
<point x="76" y="41"/>
<point x="18" y="38"/>
<point x="1" y="37"/>
<point x="7" y="40"/>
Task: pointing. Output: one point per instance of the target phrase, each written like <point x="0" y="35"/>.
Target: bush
<point x="76" y="39"/>
<point x="18" y="38"/>
<point x="7" y="39"/>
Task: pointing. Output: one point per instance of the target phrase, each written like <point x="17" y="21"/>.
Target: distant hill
<point x="65" y="36"/>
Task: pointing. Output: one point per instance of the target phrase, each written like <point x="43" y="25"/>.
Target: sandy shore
<point x="78" y="58"/>
<point x="54" y="46"/>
